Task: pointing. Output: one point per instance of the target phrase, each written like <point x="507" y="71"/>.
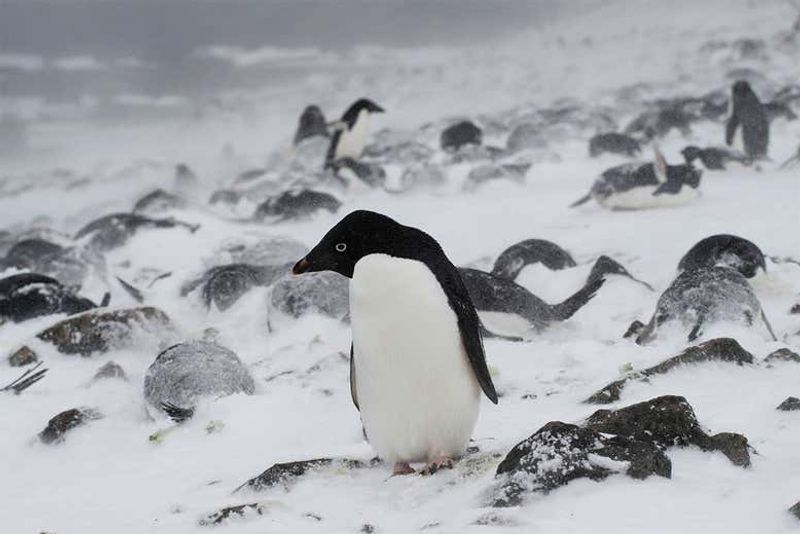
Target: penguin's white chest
<point x="417" y="393"/>
<point x="352" y="140"/>
<point x="639" y="198"/>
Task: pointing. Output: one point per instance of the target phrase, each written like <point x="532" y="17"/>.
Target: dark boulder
<point x="459" y="135"/>
<point x="58" y="426"/>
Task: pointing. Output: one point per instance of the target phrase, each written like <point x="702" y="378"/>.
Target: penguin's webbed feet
<point x="438" y="463"/>
<point x="402" y="468"/>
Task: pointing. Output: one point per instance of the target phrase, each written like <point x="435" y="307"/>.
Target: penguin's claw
<point x="402" y="469"/>
<point x="438" y="463"/>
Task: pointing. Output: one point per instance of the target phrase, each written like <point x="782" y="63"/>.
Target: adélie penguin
<point x="350" y="132"/>
<point x="417" y="363"/>
<point x="750" y="118"/>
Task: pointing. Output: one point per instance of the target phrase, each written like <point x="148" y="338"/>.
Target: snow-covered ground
<point x="108" y="476"/>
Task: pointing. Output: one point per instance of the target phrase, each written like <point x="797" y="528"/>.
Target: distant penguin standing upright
<point x="350" y="132"/>
<point x="417" y="364"/>
<point x="748" y="113"/>
<point x="311" y="124"/>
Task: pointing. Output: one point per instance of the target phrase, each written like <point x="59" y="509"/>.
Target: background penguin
<point x="516" y="257"/>
<point x="714" y="158"/>
<point x="644" y="185"/>
<point x="726" y="250"/>
<point x="417" y="359"/>
<point x="614" y="143"/>
<point x="748" y="112"/>
<point x="311" y="124"/>
<point x="350" y="132"/>
<point x="508" y="309"/>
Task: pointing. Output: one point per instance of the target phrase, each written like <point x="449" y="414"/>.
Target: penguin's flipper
<point x="469" y="326"/>
<point x="582" y="200"/>
<point x="353" y="392"/>
<point x="769" y="326"/>
<point x="668" y="188"/>
<point x="695" y="333"/>
<point x="578" y="300"/>
<point x="730" y="128"/>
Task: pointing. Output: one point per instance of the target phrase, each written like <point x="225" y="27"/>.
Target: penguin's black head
<point x="691" y="153"/>
<point x="742" y="89"/>
<point x="362" y="104"/>
<point x="359" y="234"/>
<point x="684" y="174"/>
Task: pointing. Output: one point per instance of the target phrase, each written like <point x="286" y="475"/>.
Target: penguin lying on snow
<point x="417" y="362"/>
<point x="726" y="250"/>
<point x="714" y="158"/>
<point x="613" y="143"/>
<point x="644" y="185"/>
<point x="350" y="132"/>
<point x="29" y="295"/>
<point x="703" y="296"/>
<point x="750" y="118"/>
<point x="508" y="309"/>
<point x="518" y="256"/>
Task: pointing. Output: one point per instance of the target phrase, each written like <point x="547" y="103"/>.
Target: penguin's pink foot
<point x="402" y="468"/>
<point x="440" y="462"/>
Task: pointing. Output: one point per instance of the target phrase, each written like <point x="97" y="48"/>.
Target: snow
<point x="108" y="476"/>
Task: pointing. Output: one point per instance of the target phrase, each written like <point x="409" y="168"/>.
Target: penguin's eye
<point x="341" y="247"/>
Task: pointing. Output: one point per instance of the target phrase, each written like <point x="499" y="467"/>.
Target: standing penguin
<point x="311" y="124"/>
<point x="417" y="364"/>
<point x="350" y="132"/>
<point x="748" y="112"/>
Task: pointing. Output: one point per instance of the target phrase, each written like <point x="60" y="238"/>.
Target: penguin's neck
<point x="353" y="137"/>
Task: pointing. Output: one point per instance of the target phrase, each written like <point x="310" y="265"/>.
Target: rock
<point x="352" y="172"/>
<point x="403" y="152"/>
<point x="240" y="510"/>
<point x="699" y="297"/>
<point x="782" y="355"/>
<point x="311" y="123"/>
<point x="110" y="370"/>
<point x="526" y="136"/>
<point x="789" y="405"/>
<point x="62" y="423"/>
<point x="478" y="176"/>
<point x="560" y="452"/>
<point x="298" y="204"/>
<point x="278" y="250"/>
<point x="419" y="175"/>
<point x="668" y="421"/>
<point x="795" y="510"/>
<point x="99" y="331"/>
<point x="459" y="135"/>
<point x="325" y="293"/>
<point x="23" y="356"/>
<point x="723" y="349"/>
<point x="184" y="373"/>
<point x="285" y="474"/>
<point x="225" y="197"/>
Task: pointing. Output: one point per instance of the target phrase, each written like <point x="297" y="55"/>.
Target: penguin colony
<point x="419" y="371"/>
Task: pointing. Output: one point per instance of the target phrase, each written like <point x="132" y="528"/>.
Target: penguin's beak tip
<point x="301" y="267"/>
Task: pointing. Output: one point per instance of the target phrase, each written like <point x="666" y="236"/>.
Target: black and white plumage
<point x="644" y="185"/>
<point x="350" y="132"/>
<point x="726" y="250"/>
<point x="749" y="117"/>
<point x="418" y="362"/>
<point x="699" y="297"/>
<point x="528" y="252"/>
<point x="508" y="309"/>
<point x="311" y="124"/>
<point x="714" y="158"/>
<point x="29" y="295"/>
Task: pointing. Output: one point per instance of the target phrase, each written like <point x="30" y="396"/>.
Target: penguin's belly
<point x="417" y="393"/>
<point x="352" y="140"/>
<point x="642" y="197"/>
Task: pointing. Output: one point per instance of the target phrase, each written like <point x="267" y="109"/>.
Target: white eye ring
<point x="341" y="247"/>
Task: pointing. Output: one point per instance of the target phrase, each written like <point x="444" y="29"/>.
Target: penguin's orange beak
<point x="301" y="267"/>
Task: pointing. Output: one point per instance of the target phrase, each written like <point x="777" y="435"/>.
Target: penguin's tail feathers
<point x="582" y="200"/>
